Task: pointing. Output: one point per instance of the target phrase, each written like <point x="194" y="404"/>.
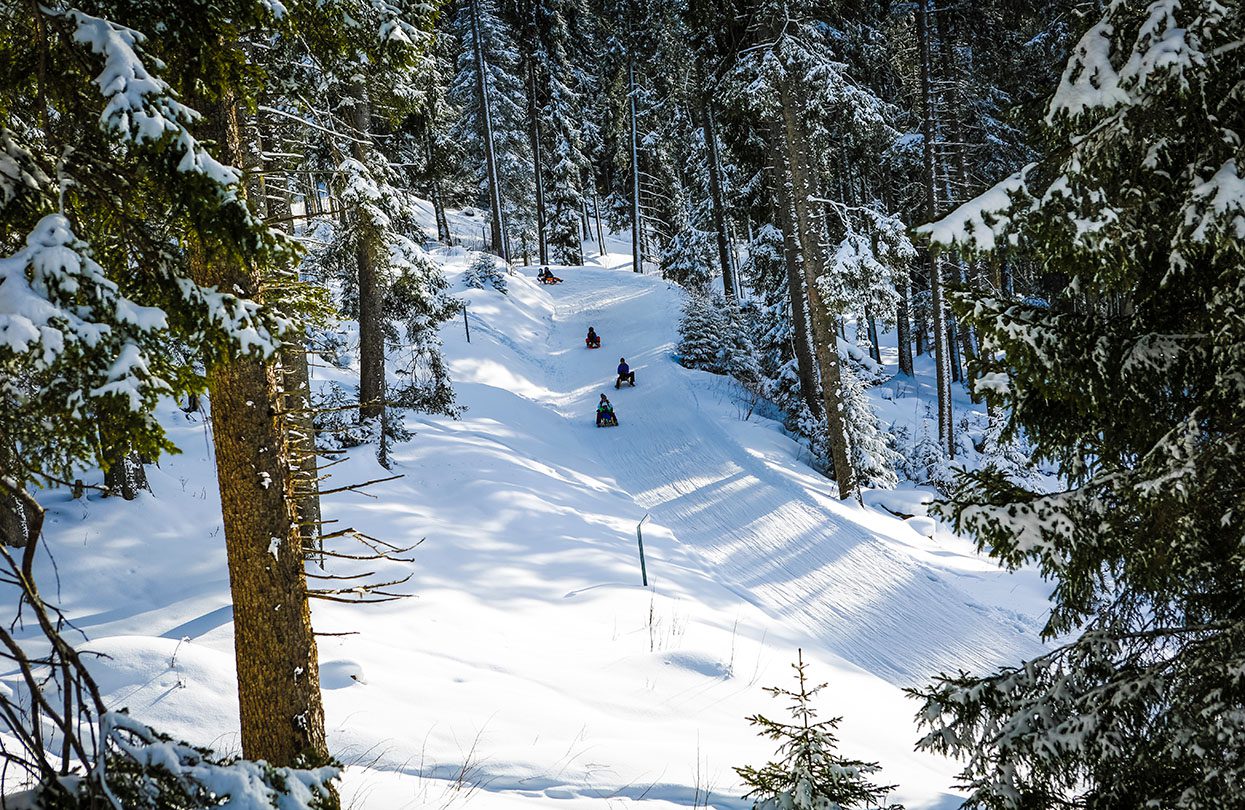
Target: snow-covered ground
<point x="531" y="665"/>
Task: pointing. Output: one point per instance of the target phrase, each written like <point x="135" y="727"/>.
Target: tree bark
<point x="296" y="382"/>
<point x="281" y="713"/>
<point x="809" y="385"/>
<point x="825" y="346"/>
<point x="126" y="476"/>
<point x="434" y="190"/>
<point x="500" y="246"/>
<point x="533" y="133"/>
<point x="371" y="290"/>
<point x="596" y="211"/>
<point x="637" y="253"/>
<point x="718" y="205"/>
<point x="903" y="322"/>
<point x="942" y="359"/>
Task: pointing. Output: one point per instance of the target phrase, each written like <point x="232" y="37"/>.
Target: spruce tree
<point x="701" y="331"/>
<point x="808" y="774"/>
<point x="1129" y="383"/>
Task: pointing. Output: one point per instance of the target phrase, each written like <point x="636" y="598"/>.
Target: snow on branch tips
<point x="979" y="223"/>
<point x="53" y="295"/>
<point x="141" y="107"/>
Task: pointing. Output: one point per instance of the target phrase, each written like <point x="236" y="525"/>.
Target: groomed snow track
<point x="802" y="557"/>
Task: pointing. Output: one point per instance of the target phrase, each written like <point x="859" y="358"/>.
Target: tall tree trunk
<point x="500" y="245"/>
<point x="280" y="708"/>
<point x="794" y="143"/>
<point x="809" y="385"/>
<point x="371" y="290"/>
<point x="596" y="210"/>
<point x="434" y="189"/>
<point x="942" y="358"/>
<point x="533" y="133"/>
<point x="903" y="322"/>
<point x="961" y="191"/>
<point x="20" y="521"/>
<point x="715" y="194"/>
<point x="871" y="325"/>
<point x="637" y="253"/>
<point x="296" y="382"/>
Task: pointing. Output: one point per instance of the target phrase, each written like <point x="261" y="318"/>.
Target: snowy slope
<point x="772" y="533"/>
<point x="531" y="665"/>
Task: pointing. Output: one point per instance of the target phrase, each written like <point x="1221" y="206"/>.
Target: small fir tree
<point x="687" y="260"/>
<point x="484" y="272"/>
<point x="701" y="331"/>
<point x="808" y="774"/>
<point x="872" y="448"/>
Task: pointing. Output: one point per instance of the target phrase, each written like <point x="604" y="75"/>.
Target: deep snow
<point x="531" y="664"/>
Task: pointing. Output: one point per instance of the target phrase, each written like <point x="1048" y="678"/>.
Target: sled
<point x="612" y="422"/>
<point x="592" y="345"/>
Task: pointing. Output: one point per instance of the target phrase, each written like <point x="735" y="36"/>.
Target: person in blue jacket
<point x="625" y="374"/>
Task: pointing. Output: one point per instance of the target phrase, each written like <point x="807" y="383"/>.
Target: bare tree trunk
<point x="296" y="382"/>
<point x="533" y="133"/>
<point x="718" y="205"/>
<point x="871" y="326"/>
<point x="20" y="521"/>
<point x="280" y="708"/>
<point x="942" y="358"/>
<point x="825" y="346"/>
<point x="903" y="322"/>
<point x="126" y="476"/>
<point x="438" y="200"/>
<point x="371" y="290"/>
<point x="637" y="252"/>
<point x="596" y="210"/>
<point x="809" y="386"/>
<point x="500" y="246"/>
<point x="951" y="73"/>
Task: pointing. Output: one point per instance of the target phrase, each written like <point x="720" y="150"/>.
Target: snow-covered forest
<point x="767" y="404"/>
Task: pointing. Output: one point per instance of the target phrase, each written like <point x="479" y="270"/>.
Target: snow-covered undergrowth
<point x="531" y="664"/>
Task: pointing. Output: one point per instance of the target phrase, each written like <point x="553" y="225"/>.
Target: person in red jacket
<point x="593" y="340"/>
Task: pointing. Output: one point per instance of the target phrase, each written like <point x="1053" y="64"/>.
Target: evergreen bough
<point x="1130" y="383"/>
<point x="808" y="774"/>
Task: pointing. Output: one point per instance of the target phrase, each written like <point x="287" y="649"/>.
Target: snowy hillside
<point x="531" y="664"/>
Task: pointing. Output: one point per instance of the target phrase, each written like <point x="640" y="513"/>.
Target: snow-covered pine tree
<point x="700" y="334"/>
<point x="128" y="249"/>
<point x="809" y="774"/>
<point x="88" y="318"/>
<point x="1130" y="383"/>
<point x="873" y="451"/>
<point x="483" y="273"/>
<point x="687" y="260"/>
<point x="374" y="248"/>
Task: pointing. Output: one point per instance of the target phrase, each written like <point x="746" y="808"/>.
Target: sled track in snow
<point x="772" y="541"/>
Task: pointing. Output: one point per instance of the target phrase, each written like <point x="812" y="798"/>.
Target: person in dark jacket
<point x="625" y="374"/>
<point x="593" y="340"/>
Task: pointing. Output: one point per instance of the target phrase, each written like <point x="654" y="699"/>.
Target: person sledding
<point x="605" y="413"/>
<point x="593" y="340"/>
<point x="546" y="277"/>
<point x="625" y="374"/>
